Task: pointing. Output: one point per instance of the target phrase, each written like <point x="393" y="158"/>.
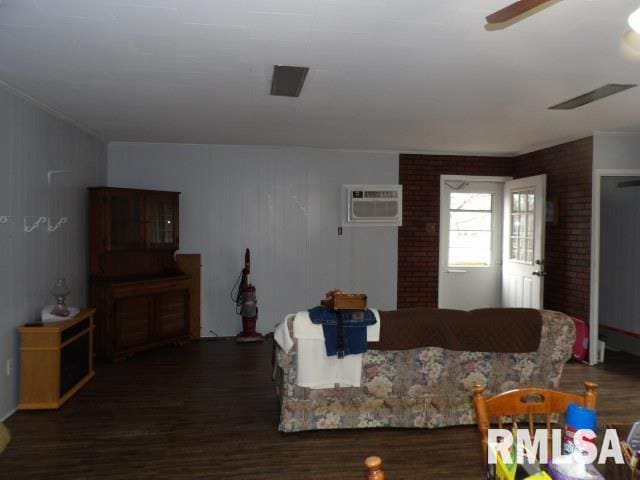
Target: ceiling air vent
<point x="597" y="94"/>
<point x="288" y="81"/>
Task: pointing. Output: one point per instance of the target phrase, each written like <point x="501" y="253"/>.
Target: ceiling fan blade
<point x="514" y="10"/>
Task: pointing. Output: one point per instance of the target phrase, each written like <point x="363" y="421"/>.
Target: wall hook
<point x="31" y="223"/>
<point x="57" y="223"/>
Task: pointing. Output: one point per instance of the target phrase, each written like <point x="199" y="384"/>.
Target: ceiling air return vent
<point x="287" y="81"/>
<point x="597" y="94"/>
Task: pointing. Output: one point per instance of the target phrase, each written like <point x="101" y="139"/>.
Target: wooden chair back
<point x="374" y="467"/>
<point x="533" y="402"/>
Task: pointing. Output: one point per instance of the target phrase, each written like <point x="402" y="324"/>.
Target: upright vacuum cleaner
<point x="246" y="304"/>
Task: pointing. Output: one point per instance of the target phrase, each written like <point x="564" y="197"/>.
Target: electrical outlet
<point x="432" y="228"/>
<point x="9" y="366"/>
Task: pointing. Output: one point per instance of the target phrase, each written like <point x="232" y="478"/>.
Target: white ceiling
<point x="406" y="75"/>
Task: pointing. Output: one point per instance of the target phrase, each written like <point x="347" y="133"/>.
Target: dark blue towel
<point x="345" y="331"/>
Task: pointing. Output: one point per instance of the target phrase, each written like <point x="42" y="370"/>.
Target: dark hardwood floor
<point x="209" y="410"/>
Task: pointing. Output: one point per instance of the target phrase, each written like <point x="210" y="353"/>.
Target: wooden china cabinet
<point x="140" y="293"/>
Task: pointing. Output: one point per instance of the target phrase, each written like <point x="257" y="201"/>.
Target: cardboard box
<point x="346" y="301"/>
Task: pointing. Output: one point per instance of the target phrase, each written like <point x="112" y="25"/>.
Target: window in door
<point x="522" y="226"/>
<point x="470" y="232"/>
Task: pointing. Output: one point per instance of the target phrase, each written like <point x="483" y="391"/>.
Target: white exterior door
<point x="523" y="246"/>
<point x="471" y="244"/>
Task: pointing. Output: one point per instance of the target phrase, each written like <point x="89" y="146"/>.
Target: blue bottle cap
<point x="579" y="417"/>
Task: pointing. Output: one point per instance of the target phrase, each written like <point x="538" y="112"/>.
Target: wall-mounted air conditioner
<point x="372" y="205"/>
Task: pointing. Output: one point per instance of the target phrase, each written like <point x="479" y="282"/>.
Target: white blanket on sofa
<point x="314" y="368"/>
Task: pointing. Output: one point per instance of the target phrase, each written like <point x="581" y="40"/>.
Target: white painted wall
<point x="616" y="151"/>
<point x="282" y="203"/>
<point x="33" y="142"/>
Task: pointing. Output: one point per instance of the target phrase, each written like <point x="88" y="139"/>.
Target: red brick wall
<point x="568" y="243"/>
<point x="418" y="238"/>
<point x="567" y="246"/>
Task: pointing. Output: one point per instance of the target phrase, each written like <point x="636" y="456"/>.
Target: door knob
<point x="541" y="272"/>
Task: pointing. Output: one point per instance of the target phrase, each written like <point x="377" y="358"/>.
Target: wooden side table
<point x="56" y="361"/>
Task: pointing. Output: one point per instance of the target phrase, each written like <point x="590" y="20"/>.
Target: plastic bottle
<point x="577" y="418"/>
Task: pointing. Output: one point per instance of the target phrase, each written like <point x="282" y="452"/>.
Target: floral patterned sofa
<point x="426" y="387"/>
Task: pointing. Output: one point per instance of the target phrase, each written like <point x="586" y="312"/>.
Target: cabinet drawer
<point x="149" y="288"/>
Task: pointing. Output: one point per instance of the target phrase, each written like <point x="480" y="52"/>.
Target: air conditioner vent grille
<point x="375" y="209"/>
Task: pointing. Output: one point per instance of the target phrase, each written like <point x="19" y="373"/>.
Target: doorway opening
<point x="618" y="306"/>
<point x="491" y="242"/>
<point x="470" y="243"/>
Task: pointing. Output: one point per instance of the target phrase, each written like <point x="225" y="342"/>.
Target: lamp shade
<point x="634" y="21"/>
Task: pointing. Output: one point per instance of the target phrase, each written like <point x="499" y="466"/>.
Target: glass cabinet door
<point x="126" y="220"/>
<point x="162" y="218"/>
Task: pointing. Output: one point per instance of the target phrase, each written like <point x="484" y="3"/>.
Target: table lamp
<point x="60" y="291"/>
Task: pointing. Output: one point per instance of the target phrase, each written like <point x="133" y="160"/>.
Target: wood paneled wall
<point x="282" y="203"/>
<point x="32" y="142"/>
